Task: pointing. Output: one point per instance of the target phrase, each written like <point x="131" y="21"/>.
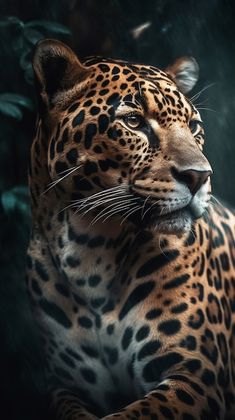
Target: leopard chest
<point x="108" y="336"/>
<point x="101" y="356"/>
<point x="95" y="351"/>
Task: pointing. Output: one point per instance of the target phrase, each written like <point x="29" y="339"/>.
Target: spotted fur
<point x="131" y="264"/>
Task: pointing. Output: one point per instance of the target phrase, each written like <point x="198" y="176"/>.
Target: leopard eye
<point x="194" y="125"/>
<point x="134" y="121"/>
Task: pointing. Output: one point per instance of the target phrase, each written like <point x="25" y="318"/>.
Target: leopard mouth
<point x="174" y="222"/>
<point x="165" y="218"/>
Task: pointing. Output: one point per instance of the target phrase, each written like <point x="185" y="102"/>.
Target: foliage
<point x="11" y="104"/>
<point x="17" y="115"/>
<point x="18" y="39"/>
<point x="17" y="102"/>
<point x="22" y="367"/>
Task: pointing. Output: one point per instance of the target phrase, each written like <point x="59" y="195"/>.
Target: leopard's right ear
<point x="56" y="69"/>
<point x="184" y="72"/>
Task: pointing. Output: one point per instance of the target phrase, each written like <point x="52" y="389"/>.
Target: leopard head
<point x="122" y="141"/>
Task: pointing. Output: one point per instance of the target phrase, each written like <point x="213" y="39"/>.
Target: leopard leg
<point x="65" y="405"/>
<point x="179" y="397"/>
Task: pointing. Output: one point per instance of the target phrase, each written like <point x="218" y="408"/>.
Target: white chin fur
<point x="176" y="224"/>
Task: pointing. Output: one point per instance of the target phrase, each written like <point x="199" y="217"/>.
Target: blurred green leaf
<point x="50" y="26"/>
<point x="17" y="99"/>
<point x="25" y="58"/>
<point x="16" y="198"/>
<point x="10" y="104"/>
<point x="28" y="74"/>
<point x="18" y="44"/>
<point x="32" y="35"/>
<point x="11" y="31"/>
<point x="10" y="110"/>
<point x="10" y="21"/>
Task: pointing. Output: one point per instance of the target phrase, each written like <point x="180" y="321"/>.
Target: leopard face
<point x="126" y="130"/>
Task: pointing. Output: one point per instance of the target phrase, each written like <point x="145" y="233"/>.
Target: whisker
<point x="105" y="197"/>
<point x="145" y="201"/>
<point x="99" y="203"/>
<point x="92" y="198"/>
<point x="160" y="243"/>
<point x="138" y="207"/>
<point x="104" y="211"/>
<point x="193" y="233"/>
<point x="194" y="97"/>
<point x="216" y="200"/>
<point x="115" y="211"/>
<point x="54" y="183"/>
<point x="212" y="205"/>
<point x="84" y="205"/>
<point x="152" y="205"/>
<point x="207" y="109"/>
<point x="84" y="202"/>
<point x="66" y="170"/>
<point x="163" y="209"/>
<point x="201" y="103"/>
<point x="107" y="214"/>
<point x="65" y="208"/>
<point x="103" y="192"/>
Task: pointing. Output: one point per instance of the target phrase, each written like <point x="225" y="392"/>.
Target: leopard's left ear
<point x="184" y="72"/>
<point x="57" y="69"/>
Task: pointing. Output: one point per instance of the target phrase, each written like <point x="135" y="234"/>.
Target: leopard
<point x="131" y="259"/>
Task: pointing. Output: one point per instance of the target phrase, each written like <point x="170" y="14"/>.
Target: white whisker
<point x="194" y="97"/>
<point x="159" y="243"/>
<point x="54" y="183"/>
<point x="67" y="170"/>
<point x="150" y="208"/>
<point x="94" y="205"/>
<point x="93" y="200"/>
<point x="216" y="200"/>
<point x="104" y="212"/>
<point x="145" y="202"/>
<point x="115" y="210"/>
<point x="207" y="109"/>
<point x="103" y="193"/>
<point x="133" y="210"/>
<point x="201" y="103"/>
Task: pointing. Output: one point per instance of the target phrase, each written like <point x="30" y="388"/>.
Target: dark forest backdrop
<point x="203" y="29"/>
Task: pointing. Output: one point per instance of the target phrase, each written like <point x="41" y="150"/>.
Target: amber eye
<point x="134" y="121"/>
<point x="194" y="125"/>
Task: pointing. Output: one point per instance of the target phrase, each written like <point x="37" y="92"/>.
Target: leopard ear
<point x="184" y="72"/>
<point x="56" y="69"/>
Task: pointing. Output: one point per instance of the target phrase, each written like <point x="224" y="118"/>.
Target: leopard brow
<point x="130" y="104"/>
<point x="144" y="102"/>
<point x="141" y="102"/>
<point x="141" y="99"/>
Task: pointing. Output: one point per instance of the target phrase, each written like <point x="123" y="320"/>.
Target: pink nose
<point x="193" y="178"/>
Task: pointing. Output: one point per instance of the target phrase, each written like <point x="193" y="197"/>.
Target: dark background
<point x="199" y="28"/>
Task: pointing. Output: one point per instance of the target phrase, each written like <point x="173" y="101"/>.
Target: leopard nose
<point x="193" y="178"/>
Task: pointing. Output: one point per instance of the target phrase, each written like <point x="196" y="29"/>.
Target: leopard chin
<point x="175" y="222"/>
